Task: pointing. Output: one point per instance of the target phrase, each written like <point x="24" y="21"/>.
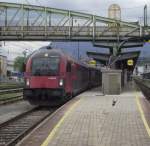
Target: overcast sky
<point x="99" y="7"/>
<point x="132" y="10"/>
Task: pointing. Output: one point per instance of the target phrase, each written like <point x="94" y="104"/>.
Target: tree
<point x="19" y="63"/>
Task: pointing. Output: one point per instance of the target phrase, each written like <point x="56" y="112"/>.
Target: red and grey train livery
<point x="52" y="77"/>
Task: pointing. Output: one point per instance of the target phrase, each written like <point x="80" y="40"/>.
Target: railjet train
<point x="52" y="77"/>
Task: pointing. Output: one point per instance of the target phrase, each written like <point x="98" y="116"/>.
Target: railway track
<point x="10" y="95"/>
<point x="15" y="129"/>
<point x="2" y="92"/>
<point x="145" y="89"/>
<point x="11" y="99"/>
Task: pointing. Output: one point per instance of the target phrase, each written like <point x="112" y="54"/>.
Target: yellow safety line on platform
<point x="142" y="115"/>
<point x="53" y="132"/>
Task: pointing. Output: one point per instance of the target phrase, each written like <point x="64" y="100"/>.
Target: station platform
<point x="92" y="119"/>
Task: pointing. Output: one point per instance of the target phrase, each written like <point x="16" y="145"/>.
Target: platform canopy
<point x="120" y="62"/>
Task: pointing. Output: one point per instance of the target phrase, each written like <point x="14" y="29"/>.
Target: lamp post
<point x="145" y="15"/>
<point x="78" y="45"/>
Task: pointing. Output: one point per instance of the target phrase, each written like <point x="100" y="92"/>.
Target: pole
<point x="78" y="47"/>
<point x="145" y="15"/>
<point x="78" y="51"/>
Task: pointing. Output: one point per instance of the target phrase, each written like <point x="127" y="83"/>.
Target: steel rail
<point x="2" y="92"/>
<point x="15" y="129"/>
<point x="11" y="99"/>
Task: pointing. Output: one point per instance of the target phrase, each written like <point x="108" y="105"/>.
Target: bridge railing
<point x="87" y="31"/>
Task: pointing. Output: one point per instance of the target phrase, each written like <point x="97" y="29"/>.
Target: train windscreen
<point x="46" y="66"/>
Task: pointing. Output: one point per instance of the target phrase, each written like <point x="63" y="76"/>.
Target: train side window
<point x="68" y="67"/>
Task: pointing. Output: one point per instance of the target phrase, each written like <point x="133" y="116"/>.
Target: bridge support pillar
<point x="111" y="81"/>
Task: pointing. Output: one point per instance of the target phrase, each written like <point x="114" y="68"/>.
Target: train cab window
<point x="68" y="67"/>
<point x="48" y="66"/>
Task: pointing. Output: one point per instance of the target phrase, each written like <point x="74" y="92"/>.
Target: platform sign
<point x="130" y="62"/>
<point x="92" y="62"/>
<point x="148" y="41"/>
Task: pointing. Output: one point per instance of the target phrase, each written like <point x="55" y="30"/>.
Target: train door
<point x="74" y="78"/>
<point x="69" y="78"/>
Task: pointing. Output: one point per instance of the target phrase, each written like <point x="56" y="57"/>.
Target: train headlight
<point x="61" y="82"/>
<point x="28" y="82"/>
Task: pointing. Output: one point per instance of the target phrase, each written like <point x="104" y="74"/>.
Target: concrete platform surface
<point x="97" y="120"/>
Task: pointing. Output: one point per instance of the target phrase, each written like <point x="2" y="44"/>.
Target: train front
<point x="44" y="83"/>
